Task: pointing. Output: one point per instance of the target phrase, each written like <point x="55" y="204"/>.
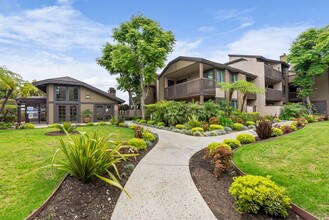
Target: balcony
<point x="273" y="95"/>
<point x="251" y="96"/>
<point x="191" y="88"/>
<point x="272" y="75"/>
<point x="293" y="97"/>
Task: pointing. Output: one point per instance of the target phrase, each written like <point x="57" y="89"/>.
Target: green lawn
<point x="298" y="161"/>
<point x="24" y="187"/>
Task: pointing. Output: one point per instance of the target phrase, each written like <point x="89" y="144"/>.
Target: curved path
<point x="161" y="185"/>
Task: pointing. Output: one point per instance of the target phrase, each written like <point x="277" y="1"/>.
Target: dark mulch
<point x="215" y="191"/>
<point x="93" y="200"/>
<point x="58" y="133"/>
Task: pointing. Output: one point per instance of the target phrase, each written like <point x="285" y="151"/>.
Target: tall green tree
<point x="309" y="54"/>
<point x="242" y="86"/>
<point x="11" y="82"/>
<point x="140" y="48"/>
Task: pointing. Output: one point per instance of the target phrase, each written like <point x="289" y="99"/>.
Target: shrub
<point x="237" y="126"/>
<point x="205" y="126"/>
<point x="132" y="126"/>
<point x="66" y="126"/>
<point x="264" y="129"/>
<point x="310" y="118"/>
<point x="227" y="129"/>
<point x="90" y="124"/>
<point x="292" y="110"/>
<point x="142" y="121"/>
<point x="212" y="146"/>
<point x="137" y="143"/>
<point x="250" y="116"/>
<point x="5" y="125"/>
<point x="197" y="133"/>
<point x="233" y="143"/>
<point x="148" y="136"/>
<point x="121" y="124"/>
<point x="149" y="143"/>
<point x="129" y="168"/>
<point x="151" y="122"/>
<point x="213" y="120"/>
<point x="220" y="157"/>
<point x="113" y="121"/>
<point x="161" y="124"/>
<point x="210" y="133"/>
<point x="276" y="132"/>
<point x="27" y="126"/>
<point x="288" y="128"/>
<point x="248" y="123"/>
<point x="220" y="132"/>
<point x="253" y="194"/>
<point x="193" y="122"/>
<point x="180" y="126"/>
<point x="139" y="132"/>
<point x="300" y="122"/>
<point x="215" y="127"/>
<point x="89" y="156"/>
<point x="101" y="123"/>
<point x="186" y="131"/>
<point x="225" y="121"/>
<point x="195" y="129"/>
<point x="245" y="138"/>
<point x="137" y="120"/>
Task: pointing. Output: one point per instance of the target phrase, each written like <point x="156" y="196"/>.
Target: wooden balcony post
<point x="201" y="82"/>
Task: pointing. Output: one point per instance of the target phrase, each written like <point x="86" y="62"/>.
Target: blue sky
<point x="42" y="39"/>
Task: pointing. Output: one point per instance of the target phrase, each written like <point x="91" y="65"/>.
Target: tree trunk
<point x="243" y="101"/>
<point x="6" y="99"/>
<point x="143" y="96"/>
<point x="308" y="104"/>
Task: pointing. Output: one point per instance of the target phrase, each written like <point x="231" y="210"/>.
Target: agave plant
<point x="91" y="156"/>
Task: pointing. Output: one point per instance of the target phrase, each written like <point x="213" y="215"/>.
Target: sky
<point x="41" y="39"/>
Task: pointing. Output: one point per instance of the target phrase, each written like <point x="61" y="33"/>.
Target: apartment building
<point x="271" y="75"/>
<point x="191" y="78"/>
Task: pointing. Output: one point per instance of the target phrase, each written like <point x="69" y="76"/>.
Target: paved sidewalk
<point x="161" y="186"/>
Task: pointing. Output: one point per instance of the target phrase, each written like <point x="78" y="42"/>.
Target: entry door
<point x="104" y="112"/>
<point x="67" y="113"/>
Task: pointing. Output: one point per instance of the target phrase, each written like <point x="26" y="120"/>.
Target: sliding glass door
<point x="67" y="113"/>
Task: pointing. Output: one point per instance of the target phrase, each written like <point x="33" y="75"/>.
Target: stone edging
<point x="50" y="198"/>
<point x="298" y="210"/>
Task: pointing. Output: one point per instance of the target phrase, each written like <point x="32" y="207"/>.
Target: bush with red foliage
<point x="220" y="158"/>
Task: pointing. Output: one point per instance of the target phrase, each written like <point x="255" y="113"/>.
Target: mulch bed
<point x="92" y="200"/>
<point x="215" y="191"/>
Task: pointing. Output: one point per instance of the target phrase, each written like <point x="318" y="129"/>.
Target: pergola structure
<point x="34" y="109"/>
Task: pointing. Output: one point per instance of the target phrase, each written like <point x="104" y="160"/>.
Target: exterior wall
<point x="116" y="111"/>
<point x="321" y="89"/>
<point x="50" y="110"/>
<point x="93" y="97"/>
<point x="84" y="107"/>
<point x="178" y="65"/>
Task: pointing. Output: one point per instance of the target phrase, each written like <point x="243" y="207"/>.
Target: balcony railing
<point x="273" y="74"/>
<point x="293" y="96"/>
<point x="191" y="88"/>
<point x="251" y="96"/>
<point x="273" y="94"/>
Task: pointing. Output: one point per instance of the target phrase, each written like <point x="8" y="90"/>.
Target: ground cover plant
<point x="297" y="162"/>
<point x="23" y="185"/>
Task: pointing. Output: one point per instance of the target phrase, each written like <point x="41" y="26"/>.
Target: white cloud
<point x="206" y="29"/>
<point x="227" y="14"/>
<point x="54" y="27"/>
<point x="187" y="48"/>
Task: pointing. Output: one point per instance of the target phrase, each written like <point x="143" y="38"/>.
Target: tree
<point x="309" y="54"/>
<point x="13" y="83"/>
<point x="242" y="86"/>
<point x="141" y="47"/>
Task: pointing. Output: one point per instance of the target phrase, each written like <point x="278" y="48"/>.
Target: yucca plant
<point x="91" y="156"/>
<point x="66" y="126"/>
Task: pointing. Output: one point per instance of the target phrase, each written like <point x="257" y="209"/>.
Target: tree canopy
<point x="309" y="54"/>
<point x="242" y="86"/>
<point x="140" y="48"/>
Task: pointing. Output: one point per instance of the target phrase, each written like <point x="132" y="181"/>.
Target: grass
<point x="23" y="186"/>
<point x="299" y="162"/>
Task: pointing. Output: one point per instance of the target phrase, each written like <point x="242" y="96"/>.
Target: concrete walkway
<point x="161" y="186"/>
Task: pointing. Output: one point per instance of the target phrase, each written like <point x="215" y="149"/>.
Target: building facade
<point x="66" y="99"/>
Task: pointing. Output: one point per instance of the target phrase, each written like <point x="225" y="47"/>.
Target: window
<point x="234" y="77"/>
<point x="67" y="93"/>
<point x="234" y="103"/>
<point x="181" y="81"/>
<point x="220" y="75"/>
<point x="61" y="93"/>
<point x="208" y="74"/>
<point x="284" y="90"/>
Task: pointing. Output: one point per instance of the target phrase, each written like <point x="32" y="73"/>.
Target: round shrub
<point x="245" y="138"/>
<point x="137" y="120"/>
<point x="253" y="194"/>
<point x="27" y="126"/>
<point x="276" y="132"/>
<point x="151" y="122"/>
<point x="197" y="133"/>
<point x="186" y="131"/>
<point x="215" y="127"/>
<point x="237" y="126"/>
<point x="121" y="124"/>
<point x="244" y="128"/>
<point x="233" y="143"/>
<point x="212" y="146"/>
<point x="180" y="126"/>
<point x="142" y="121"/>
<point x="199" y="129"/>
<point x="148" y="136"/>
<point x="132" y="126"/>
<point x="248" y="123"/>
<point x="253" y="127"/>
<point x="90" y="124"/>
<point x="213" y="120"/>
<point x="137" y="143"/>
<point x="161" y="124"/>
<point x="101" y="123"/>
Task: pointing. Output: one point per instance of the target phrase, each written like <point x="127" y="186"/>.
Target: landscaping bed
<point x="215" y="191"/>
<point x="91" y="200"/>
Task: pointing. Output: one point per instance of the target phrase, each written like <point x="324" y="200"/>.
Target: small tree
<point x="141" y="48"/>
<point x="309" y="54"/>
<point x="13" y="82"/>
<point x="242" y="86"/>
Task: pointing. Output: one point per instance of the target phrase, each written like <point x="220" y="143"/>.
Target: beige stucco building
<point x="66" y="99"/>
